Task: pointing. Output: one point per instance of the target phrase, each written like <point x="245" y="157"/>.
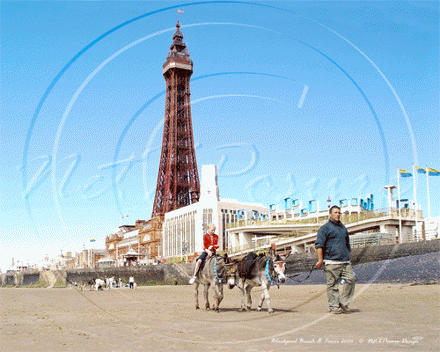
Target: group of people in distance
<point x="333" y="249"/>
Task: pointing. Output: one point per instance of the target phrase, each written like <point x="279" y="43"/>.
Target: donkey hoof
<point x="197" y="307"/>
<point x="259" y="309"/>
<point x="270" y="311"/>
<point x="248" y="308"/>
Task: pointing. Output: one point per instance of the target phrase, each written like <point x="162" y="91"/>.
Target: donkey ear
<point x="284" y="257"/>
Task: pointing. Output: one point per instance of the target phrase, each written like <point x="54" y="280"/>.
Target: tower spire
<point x="178" y="49"/>
<point x="178" y="182"/>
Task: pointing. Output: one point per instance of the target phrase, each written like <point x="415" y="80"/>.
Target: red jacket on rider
<point x="208" y="243"/>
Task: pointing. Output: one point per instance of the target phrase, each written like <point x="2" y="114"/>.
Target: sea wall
<point x="21" y="279"/>
<point x="304" y="262"/>
<point x="178" y="274"/>
<point x="161" y="274"/>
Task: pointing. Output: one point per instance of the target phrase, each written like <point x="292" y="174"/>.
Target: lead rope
<point x="292" y="277"/>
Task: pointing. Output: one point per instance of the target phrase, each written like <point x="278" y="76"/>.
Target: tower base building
<point x="183" y="228"/>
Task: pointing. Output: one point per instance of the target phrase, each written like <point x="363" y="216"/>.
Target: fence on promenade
<point x="321" y="218"/>
<point x="303" y="227"/>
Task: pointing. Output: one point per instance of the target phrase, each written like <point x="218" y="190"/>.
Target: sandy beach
<point x="386" y="317"/>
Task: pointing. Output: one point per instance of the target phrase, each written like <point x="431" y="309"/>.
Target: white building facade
<point x="184" y="228"/>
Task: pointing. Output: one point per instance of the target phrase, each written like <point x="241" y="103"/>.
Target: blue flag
<point x="404" y="173"/>
<point x="432" y="172"/>
<point x="419" y="170"/>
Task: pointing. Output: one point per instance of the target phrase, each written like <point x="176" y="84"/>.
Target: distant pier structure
<point x="178" y="182"/>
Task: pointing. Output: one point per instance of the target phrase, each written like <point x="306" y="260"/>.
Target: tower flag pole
<point x="179" y="11"/>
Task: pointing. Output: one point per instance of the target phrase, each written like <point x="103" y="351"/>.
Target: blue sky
<point x="290" y="99"/>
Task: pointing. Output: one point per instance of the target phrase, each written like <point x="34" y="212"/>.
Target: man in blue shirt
<point x="333" y="249"/>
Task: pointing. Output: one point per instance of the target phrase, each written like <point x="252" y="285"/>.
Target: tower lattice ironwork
<point x="178" y="182"/>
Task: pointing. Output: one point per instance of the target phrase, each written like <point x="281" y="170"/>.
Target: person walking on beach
<point x="131" y="282"/>
<point x="333" y="249"/>
<point x="210" y="245"/>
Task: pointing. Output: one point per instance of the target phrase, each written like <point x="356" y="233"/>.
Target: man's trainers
<point x="344" y="308"/>
<point x="193" y="279"/>
<point x="336" y="311"/>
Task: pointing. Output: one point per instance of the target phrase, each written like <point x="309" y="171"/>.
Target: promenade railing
<point x="319" y="220"/>
<point x="279" y="240"/>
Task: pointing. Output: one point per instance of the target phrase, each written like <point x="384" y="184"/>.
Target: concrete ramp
<point x="49" y="278"/>
<point x="182" y="268"/>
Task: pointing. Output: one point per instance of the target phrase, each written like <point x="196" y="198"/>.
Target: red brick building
<point x="142" y="238"/>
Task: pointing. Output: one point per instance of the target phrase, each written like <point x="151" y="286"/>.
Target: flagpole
<point x="178" y="11"/>
<point x="415" y="198"/>
<point x="429" y="201"/>
<point x="398" y="202"/>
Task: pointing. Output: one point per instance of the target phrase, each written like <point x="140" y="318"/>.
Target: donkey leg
<point x="218" y="296"/>
<point x="196" y="294"/>
<point x="261" y="301"/>
<point x="205" y="293"/>
<point x="242" y="296"/>
<point x="248" y="297"/>
<point x="265" y="295"/>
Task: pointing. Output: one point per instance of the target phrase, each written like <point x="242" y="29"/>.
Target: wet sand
<point x="386" y="317"/>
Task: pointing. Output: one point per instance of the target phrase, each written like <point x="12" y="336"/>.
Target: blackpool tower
<point x="177" y="179"/>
